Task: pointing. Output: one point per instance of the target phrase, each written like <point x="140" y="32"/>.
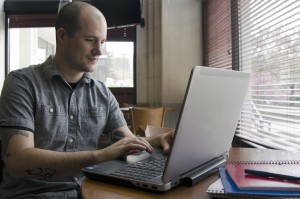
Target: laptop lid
<point x="208" y="118"/>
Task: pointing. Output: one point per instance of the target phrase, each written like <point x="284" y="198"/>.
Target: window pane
<point x="29" y="46"/>
<point x="34" y="45"/>
<point x="115" y="67"/>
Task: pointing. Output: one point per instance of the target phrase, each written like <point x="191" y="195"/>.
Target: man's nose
<point x="98" y="48"/>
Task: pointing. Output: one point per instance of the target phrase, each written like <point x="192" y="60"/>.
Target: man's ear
<point x="61" y="35"/>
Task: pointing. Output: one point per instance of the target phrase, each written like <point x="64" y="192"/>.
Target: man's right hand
<point x="127" y="146"/>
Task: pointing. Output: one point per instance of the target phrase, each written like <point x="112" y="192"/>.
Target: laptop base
<point x="126" y="183"/>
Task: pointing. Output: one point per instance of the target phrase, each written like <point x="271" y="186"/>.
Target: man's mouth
<point x="94" y="58"/>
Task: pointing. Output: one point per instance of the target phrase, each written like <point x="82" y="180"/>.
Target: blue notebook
<point x="231" y="188"/>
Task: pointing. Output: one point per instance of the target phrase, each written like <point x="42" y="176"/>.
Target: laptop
<point x="202" y="139"/>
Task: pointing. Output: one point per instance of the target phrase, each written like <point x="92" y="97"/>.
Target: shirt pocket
<point x="93" y="121"/>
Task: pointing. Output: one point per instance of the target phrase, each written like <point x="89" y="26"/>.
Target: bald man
<point x="53" y="114"/>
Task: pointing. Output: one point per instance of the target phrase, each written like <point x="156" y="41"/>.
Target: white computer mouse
<point x="137" y="156"/>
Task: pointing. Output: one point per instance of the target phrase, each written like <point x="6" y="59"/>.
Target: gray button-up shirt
<point x="37" y="98"/>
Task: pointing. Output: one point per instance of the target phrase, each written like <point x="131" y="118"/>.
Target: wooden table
<point x="127" y="109"/>
<point x="93" y="189"/>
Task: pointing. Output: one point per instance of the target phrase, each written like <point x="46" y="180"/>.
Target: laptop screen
<point x="208" y="118"/>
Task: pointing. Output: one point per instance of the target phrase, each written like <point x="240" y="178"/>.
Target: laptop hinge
<point x="201" y="172"/>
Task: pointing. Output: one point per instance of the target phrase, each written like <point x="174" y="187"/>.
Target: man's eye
<point x="90" y="40"/>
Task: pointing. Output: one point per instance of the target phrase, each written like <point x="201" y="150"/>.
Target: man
<point x="52" y="114"/>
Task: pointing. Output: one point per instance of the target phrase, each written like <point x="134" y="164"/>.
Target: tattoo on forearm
<point x="40" y="173"/>
<point x="6" y="136"/>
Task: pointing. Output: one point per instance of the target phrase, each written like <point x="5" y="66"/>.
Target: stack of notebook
<point x="271" y="179"/>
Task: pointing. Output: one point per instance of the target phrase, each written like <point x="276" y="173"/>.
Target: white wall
<point x="2" y="46"/>
<point x="181" y="49"/>
<point x="167" y="49"/>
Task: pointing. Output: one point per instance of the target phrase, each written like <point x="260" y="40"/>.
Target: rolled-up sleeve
<point x="16" y="102"/>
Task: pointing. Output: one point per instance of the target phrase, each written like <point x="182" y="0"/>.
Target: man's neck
<point x="70" y="75"/>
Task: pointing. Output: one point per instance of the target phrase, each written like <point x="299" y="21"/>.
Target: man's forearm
<point x="44" y="164"/>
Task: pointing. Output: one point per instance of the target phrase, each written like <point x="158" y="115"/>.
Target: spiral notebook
<point x="217" y="190"/>
<point x="244" y="181"/>
<point x="224" y="187"/>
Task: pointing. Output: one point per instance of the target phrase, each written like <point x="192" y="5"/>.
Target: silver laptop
<point x="203" y="136"/>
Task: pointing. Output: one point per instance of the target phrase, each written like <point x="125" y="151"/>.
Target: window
<point x="265" y="42"/>
<point x="34" y="45"/>
<point x="31" y="40"/>
<point x="30" y="46"/>
<point x="115" y="67"/>
<point x="269" y="48"/>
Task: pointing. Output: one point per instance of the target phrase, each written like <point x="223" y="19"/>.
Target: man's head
<point x="68" y="18"/>
<point x="80" y="34"/>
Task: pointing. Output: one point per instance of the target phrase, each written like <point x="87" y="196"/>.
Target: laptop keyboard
<point x="144" y="170"/>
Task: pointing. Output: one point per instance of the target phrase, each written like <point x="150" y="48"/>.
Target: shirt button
<point x="51" y="110"/>
<point x="71" y="117"/>
<point x="71" y="140"/>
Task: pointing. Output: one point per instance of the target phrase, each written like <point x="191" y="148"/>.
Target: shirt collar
<point x="51" y="70"/>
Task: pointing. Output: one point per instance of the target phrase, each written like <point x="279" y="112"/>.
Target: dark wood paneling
<point x="124" y="95"/>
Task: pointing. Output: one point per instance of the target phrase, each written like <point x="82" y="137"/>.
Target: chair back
<point x="127" y="115"/>
<point x="143" y="116"/>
